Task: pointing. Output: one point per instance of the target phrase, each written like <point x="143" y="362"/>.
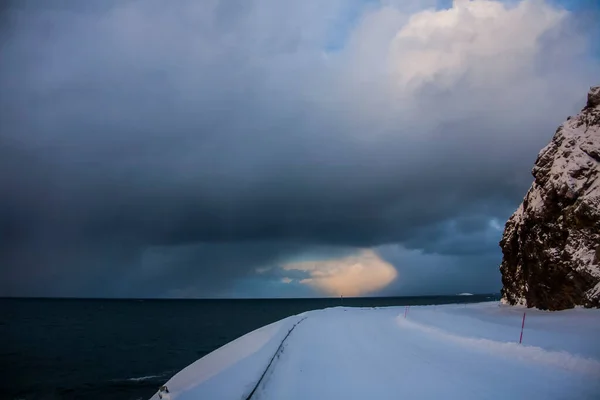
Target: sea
<point x="125" y="349"/>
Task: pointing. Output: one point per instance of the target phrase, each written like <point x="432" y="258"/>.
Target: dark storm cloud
<point x="445" y="275"/>
<point x="145" y="149"/>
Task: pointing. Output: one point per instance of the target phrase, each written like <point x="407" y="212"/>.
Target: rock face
<point x="551" y="244"/>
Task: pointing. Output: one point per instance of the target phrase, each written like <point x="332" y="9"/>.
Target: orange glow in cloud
<point x="355" y="275"/>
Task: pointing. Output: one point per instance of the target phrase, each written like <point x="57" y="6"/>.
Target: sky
<point x="260" y="148"/>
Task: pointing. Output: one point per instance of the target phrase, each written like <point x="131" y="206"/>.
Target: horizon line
<point x="235" y="298"/>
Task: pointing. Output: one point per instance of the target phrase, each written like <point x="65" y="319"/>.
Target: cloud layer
<point x="147" y="149"/>
<point x="349" y="276"/>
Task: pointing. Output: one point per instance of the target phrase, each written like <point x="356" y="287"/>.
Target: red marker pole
<point x="522" y="326"/>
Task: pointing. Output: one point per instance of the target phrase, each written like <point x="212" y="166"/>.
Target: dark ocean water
<point x="125" y="349"/>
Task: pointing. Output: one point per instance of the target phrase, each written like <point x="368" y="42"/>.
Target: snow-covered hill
<point x="551" y="244"/>
<point x="435" y="352"/>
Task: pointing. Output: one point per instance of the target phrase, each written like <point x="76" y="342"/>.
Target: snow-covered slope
<point x="551" y="244"/>
<point x="450" y="352"/>
<point x="231" y="371"/>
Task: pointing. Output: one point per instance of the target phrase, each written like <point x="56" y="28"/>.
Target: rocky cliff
<point x="551" y="244"/>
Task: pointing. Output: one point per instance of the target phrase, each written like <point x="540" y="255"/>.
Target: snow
<point x="595" y="291"/>
<point x="570" y="154"/>
<point x="232" y="370"/>
<point x="449" y="351"/>
<point x="586" y="255"/>
<point x="568" y="166"/>
<point x="579" y="140"/>
<point x="535" y="199"/>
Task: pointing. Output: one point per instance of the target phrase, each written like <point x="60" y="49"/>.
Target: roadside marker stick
<point x="522" y="326"/>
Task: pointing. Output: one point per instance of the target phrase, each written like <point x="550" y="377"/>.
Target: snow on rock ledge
<point x="551" y="244"/>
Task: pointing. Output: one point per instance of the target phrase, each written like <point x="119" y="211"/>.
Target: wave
<point x="145" y="378"/>
<point x="155" y="379"/>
